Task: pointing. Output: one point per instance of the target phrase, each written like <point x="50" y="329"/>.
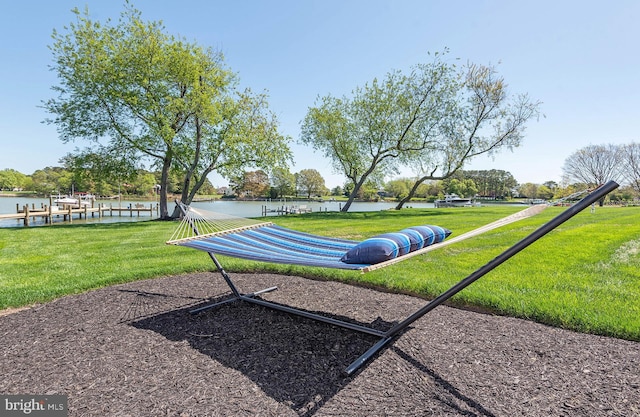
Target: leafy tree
<point x="245" y="133"/>
<point x="251" y="184"/>
<point x="337" y="191"/>
<point x="594" y="165"/>
<point x="398" y="188"/>
<point x="623" y="194"/>
<point x="494" y="182"/>
<point x="11" y="179"/>
<point x="175" y="183"/>
<point x="97" y="171"/>
<point x="52" y="180"/>
<point x="463" y="188"/>
<point x="310" y="182"/>
<point x="139" y="94"/>
<point x="208" y="188"/>
<point x="346" y="190"/>
<point x="369" y="191"/>
<point x="370" y="133"/>
<point x="430" y="189"/>
<point x="479" y="119"/>
<point x="435" y="119"/>
<point x="28" y="183"/>
<point x="143" y="184"/>
<point x="529" y="190"/>
<point x="570" y="189"/>
<point x="283" y="181"/>
<point x="544" y="192"/>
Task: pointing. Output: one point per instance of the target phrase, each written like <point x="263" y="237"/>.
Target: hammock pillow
<point x="388" y="246"/>
<point x="431" y="234"/>
<point x="416" y="238"/>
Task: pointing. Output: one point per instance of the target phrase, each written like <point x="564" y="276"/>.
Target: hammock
<point x="232" y="236"/>
<point x="267" y="242"/>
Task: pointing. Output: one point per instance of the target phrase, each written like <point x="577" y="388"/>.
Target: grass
<point x="585" y="275"/>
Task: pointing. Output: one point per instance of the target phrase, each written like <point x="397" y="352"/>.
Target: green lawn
<point x="585" y="275"/>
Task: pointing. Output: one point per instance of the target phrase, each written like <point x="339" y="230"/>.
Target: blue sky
<point x="580" y="58"/>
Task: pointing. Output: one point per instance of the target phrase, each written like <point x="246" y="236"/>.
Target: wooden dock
<point x="67" y="213"/>
<point x="284" y="210"/>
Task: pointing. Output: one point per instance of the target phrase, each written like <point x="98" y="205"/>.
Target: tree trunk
<point x="353" y="194"/>
<point x="411" y="193"/>
<point x="164" y="182"/>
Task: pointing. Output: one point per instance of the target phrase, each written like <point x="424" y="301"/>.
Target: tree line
<point x="64" y="181"/>
<point x="309" y="183"/>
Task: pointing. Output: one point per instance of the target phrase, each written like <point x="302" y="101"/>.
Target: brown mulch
<point x="134" y="350"/>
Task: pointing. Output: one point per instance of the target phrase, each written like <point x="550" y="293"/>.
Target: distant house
<point x="225" y="191"/>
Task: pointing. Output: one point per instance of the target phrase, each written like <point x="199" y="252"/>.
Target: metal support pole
<point x="528" y="240"/>
<point x="312" y="316"/>
<point x="504" y="256"/>
<point x="231" y="300"/>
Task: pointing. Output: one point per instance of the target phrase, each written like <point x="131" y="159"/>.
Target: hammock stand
<point x="385" y="337"/>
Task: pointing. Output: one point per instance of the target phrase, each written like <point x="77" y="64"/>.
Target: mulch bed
<point x="134" y="350"/>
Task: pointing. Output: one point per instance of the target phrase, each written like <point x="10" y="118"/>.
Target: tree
<point x="11" y="179"/>
<point x="463" y="188"/>
<point x="545" y="192"/>
<point x="283" y="181"/>
<point x="52" y="180"/>
<point x="594" y="165"/>
<point x="370" y="133"/>
<point x="398" y="188"/>
<point x="532" y="191"/>
<point x="369" y="191"/>
<point x="97" y="170"/>
<point x="337" y="190"/>
<point x="494" y="183"/>
<point x="252" y="184"/>
<point x="143" y="184"/>
<point x="431" y="189"/>
<point x="479" y="119"/>
<point x="631" y="164"/>
<point x="310" y="182"/>
<point x="138" y="94"/>
<point x="435" y="119"/>
<point x="244" y="133"/>
<point x="529" y="190"/>
<point x="575" y="189"/>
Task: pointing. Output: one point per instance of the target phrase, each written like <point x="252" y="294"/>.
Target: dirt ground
<point x="134" y="350"/>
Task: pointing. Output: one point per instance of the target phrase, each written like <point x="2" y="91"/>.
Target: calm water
<point x="236" y="208"/>
<point x="8" y="205"/>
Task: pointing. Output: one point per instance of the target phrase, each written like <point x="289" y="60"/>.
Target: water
<point x="254" y="208"/>
<point x="8" y="205"/>
<point x="231" y="207"/>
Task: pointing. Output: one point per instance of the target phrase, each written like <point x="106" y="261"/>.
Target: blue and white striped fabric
<point x="280" y="245"/>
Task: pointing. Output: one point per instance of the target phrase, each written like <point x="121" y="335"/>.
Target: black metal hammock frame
<point x="385" y="337"/>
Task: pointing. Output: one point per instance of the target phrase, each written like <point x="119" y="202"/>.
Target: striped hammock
<point x="264" y="241"/>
